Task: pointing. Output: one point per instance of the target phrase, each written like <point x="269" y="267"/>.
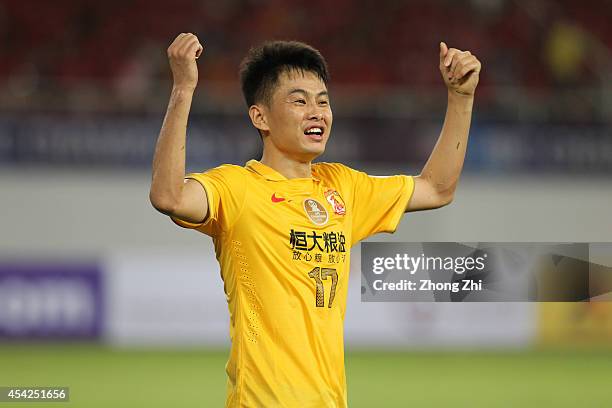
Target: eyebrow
<point x="298" y="90"/>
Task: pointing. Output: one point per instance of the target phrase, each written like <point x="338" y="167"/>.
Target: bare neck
<point x="287" y="166"/>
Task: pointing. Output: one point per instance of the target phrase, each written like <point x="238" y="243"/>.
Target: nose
<point x="315" y="113"/>
<point x="316" y="116"/>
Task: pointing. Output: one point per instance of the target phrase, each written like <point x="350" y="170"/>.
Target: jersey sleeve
<point x="378" y="203"/>
<point x="225" y="191"/>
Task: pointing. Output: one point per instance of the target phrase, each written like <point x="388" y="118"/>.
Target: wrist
<point x="458" y="97"/>
<point x="455" y="93"/>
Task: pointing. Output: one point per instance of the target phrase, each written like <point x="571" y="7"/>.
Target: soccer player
<point x="283" y="226"/>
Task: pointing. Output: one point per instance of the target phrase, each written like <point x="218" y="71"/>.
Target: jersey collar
<point x="268" y="172"/>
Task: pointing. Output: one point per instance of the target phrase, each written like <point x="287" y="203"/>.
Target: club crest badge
<point x="315" y="211"/>
<point x="337" y="203"/>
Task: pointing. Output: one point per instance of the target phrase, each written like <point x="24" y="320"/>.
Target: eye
<point x="300" y="101"/>
<point x="324" y="103"/>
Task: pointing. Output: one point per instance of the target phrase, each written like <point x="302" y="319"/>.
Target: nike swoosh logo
<point x="276" y="199"/>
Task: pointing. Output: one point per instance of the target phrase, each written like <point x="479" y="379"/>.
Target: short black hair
<point x="260" y="69"/>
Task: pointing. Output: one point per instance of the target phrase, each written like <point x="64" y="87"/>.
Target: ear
<point x="258" y="117"/>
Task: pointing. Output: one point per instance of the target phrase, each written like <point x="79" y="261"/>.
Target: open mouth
<point x="314" y="132"/>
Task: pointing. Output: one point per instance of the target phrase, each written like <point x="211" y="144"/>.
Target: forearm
<point x="169" y="158"/>
<point x="445" y="163"/>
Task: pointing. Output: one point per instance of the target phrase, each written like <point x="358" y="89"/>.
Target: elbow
<point x="446" y="199"/>
<point x="440" y="201"/>
<point x="163" y="203"/>
<point x="446" y="196"/>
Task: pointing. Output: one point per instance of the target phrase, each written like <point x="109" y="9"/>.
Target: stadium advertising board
<point x="51" y="301"/>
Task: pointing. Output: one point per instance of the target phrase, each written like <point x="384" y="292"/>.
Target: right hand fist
<point x="182" y="54"/>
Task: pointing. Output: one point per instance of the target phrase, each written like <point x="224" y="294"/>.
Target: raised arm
<point x="169" y="193"/>
<point x="435" y="186"/>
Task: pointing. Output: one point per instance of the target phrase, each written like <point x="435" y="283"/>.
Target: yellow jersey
<point x="283" y="246"/>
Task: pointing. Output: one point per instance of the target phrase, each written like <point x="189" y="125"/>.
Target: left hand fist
<point x="460" y="70"/>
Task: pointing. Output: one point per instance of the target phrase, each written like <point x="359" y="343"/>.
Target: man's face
<point x="299" y="116"/>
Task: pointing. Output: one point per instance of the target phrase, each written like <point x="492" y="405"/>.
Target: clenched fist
<point x="460" y="70"/>
<point x="182" y="54"/>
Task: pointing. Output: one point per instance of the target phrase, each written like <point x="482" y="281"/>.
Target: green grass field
<point x="102" y="377"/>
